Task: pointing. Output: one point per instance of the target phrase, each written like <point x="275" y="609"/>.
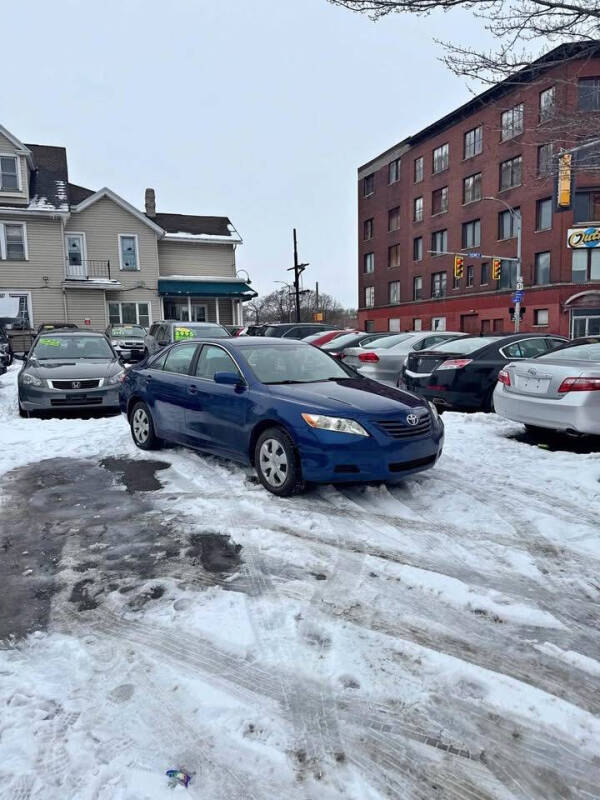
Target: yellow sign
<point x="564" y="180"/>
<point x="583" y="237"/>
<point x="318" y="316"/>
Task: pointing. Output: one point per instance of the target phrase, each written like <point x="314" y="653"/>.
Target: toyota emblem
<point x="532" y="371"/>
<point x="412" y="419"/>
<point x="75" y="384"/>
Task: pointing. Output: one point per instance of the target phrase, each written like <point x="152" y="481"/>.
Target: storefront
<point x="199" y="300"/>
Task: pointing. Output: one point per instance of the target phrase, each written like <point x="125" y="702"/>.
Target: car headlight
<point x="434" y="412"/>
<point x="115" y="344"/>
<point x="118" y="377"/>
<point x="338" y="424"/>
<point x="31" y="380"/>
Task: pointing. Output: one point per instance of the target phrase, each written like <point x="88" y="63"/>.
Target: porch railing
<point x="85" y="270"/>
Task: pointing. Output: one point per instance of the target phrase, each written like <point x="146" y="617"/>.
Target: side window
<point x="158" y="363"/>
<point x="554" y="343"/>
<point x="295" y="333"/>
<point x="214" y="359"/>
<point x="431" y="341"/>
<point x="512" y="350"/>
<point x="530" y="348"/>
<point x="153" y="329"/>
<point x="179" y="359"/>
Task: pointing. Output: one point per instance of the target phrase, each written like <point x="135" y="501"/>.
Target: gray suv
<point x="128" y="341"/>
<point x="164" y="333"/>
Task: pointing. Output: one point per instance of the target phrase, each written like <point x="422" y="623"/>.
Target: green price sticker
<point x="183" y="333"/>
<point x="50" y="342"/>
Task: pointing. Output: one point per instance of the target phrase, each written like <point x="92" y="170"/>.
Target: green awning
<point x="206" y="288"/>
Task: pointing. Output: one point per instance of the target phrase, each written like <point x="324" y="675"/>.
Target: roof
<point x="49" y="180"/>
<point x="191" y="226"/>
<point x="79" y="193"/>
<point x="120" y="201"/>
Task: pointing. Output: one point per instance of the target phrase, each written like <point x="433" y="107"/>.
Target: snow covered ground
<point x="437" y="639"/>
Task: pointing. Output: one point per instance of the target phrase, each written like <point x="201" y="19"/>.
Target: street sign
<point x="518" y="297"/>
<point x="519" y="286"/>
<point x="473" y="255"/>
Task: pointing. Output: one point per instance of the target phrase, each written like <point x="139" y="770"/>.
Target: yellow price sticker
<point x="183" y="333"/>
<point x="50" y="342"/>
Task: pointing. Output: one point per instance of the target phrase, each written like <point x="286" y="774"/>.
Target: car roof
<point x="183" y="323"/>
<point x="70" y="332"/>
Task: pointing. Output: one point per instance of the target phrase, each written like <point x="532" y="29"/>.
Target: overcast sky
<point x="260" y="110"/>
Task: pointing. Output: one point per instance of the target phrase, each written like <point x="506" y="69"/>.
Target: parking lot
<point x="438" y="638"/>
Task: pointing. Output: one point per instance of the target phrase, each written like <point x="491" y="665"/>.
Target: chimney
<point x="150" y="201"/>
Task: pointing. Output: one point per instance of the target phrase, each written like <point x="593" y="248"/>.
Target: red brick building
<point x="450" y="187"/>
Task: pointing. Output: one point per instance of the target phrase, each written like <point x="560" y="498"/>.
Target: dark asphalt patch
<point x="215" y="552"/>
<point x="137" y="476"/>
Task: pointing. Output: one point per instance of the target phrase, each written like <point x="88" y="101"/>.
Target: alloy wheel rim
<point x="273" y="462"/>
<point x="141" y="425"/>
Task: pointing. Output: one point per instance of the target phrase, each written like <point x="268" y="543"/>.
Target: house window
<point x="13" y="241"/>
<point x="540" y="316"/>
<point x="470" y="275"/>
<point x="588" y="91"/>
<point x="369" y="296"/>
<point x="455" y="282"/>
<point x="128" y="251"/>
<point x="9" y="175"/>
<point x="438" y="323"/>
<point x="471" y="233"/>
<point x="369" y="325"/>
<point x="130" y="313"/>
<point x="473" y="142"/>
<point x="544" y="160"/>
<point x="418" y="288"/>
<point x="485" y="273"/>
<point x="418" y="209"/>
<point x="418" y="249"/>
<point x="394" y="219"/>
<point x="511" y="122"/>
<point x="368" y="229"/>
<point x="24" y="305"/>
<point x="472" y="188"/>
<point x="417" y="324"/>
<point x="438" y="284"/>
<point x="547" y="104"/>
<point x="585" y="265"/>
<point x="394" y="171"/>
<point x="369" y="262"/>
<point x="543" y="214"/>
<point x="394" y="324"/>
<point x="419" y="169"/>
<point x="508" y="274"/>
<point x="394" y="292"/>
<point x="439" y="200"/>
<point x="507" y="223"/>
<point x="542" y="268"/>
<point x="510" y="173"/>
<point x="394" y="256"/>
<point x="369" y="185"/>
<point x="439" y="242"/>
<point x="441" y="158"/>
<point x="587" y="207"/>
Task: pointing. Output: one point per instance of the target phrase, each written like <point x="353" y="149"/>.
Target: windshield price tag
<point x="50" y="342"/>
<point x="183" y="333"/>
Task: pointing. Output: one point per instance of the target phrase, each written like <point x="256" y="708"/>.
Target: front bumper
<point x="575" y="411"/>
<point x="443" y="397"/>
<point x="41" y="398"/>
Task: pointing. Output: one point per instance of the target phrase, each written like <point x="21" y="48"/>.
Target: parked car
<point x="558" y="391"/>
<point x="462" y="374"/>
<point x="338" y="346"/>
<point x="128" y="341"/>
<point x="6" y="354"/>
<point x="295" y="330"/>
<point x="49" y="326"/>
<point x="251" y="330"/>
<point x="323" y="337"/>
<point x="234" y="330"/>
<point x="69" y="369"/>
<point x="293" y="412"/>
<point x="384" y="359"/>
<point x="166" y="332"/>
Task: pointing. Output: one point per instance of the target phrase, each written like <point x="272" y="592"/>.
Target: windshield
<point x="125" y="331"/>
<point x="188" y="330"/>
<point x="464" y="346"/>
<point x="580" y="352"/>
<point x="293" y="364"/>
<point x="56" y="346"/>
<point x="390" y="341"/>
<point x="341" y="341"/>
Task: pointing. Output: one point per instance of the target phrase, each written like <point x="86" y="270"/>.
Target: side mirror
<point x="229" y="379"/>
<point x="20" y="356"/>
<point x="163" y="342"/>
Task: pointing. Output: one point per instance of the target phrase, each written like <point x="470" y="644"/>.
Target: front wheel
<point x="277" y="463"/>
<point x="22" y="412"/>
<point x="142" y="428"/>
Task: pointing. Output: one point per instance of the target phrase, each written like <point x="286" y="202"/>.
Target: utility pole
<point x="317" y="296"/>
<point x="517" y="218"/>
<point x="298" y="270"/>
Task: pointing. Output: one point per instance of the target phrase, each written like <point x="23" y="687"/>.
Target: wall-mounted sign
<point x="584" y="237"/>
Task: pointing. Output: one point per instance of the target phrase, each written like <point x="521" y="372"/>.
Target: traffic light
<point x="511" y="311"/>
<point x="459" y="267"/>
<point x="563" y="193"/>
<point x="496" y="269"/>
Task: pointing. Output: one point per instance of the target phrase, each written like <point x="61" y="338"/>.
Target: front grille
<point x="75" y="384"/>
<point x="399" y="429"/>
<point x="402" y="466"/>
<point x="135" y="345"/>
<point x="76" y="400"/>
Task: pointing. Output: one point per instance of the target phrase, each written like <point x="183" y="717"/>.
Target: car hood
<point x="348" y="396"/>
<point x="64" y="369"/>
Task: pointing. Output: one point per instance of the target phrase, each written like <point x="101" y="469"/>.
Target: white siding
<point x="87" y="304"/>
<point x="45" y="251"/>
<point x="186" y="258"/>
<point x="6" y="146"/>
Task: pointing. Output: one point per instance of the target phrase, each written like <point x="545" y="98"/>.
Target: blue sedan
<point x="287" y="408"/>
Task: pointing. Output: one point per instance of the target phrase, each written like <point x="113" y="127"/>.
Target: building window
<point x="498" y="325"/>
<point x="439" y="200"/>
<point x="511" y="122"/>
<point x="394" y="292"/>
<point x="418" y="288"/>
<point x="508" y="274"/>
<point x="507" y="223"/>
<point x="455" y="282"/>
<point x="470" y="275"/>
<point x="128" y="251"/>
<point x="418" y="209"/>
<point x="585" y="265"/>
<point x="439" y="242"/>
<point x="438" y="323"/>
<point x="394" y="256"/>
<point x="394" y="324"/>
<point x="129" y="314"/>
<point x="544" y="160"/>
<point x="369" y="185"/>
<point x="369" y="296"/>
<point x="9" y="174"/>
<point x="369" y="325"/>
<point x="13" y="241"/>
<point x="543" y="214"/>
<point x="418" y="249"/>
<point x="369" y="262"/>
<point x="368" y="229"/>
<point x="438" y="284"/>
<point x="547" y="104"/>
<point x="588" y="90"/>
<point x="540" y="316"/>
<point x="510" y="173"/>
<point x="394" y="171"/>
<point x="417" y="324"/>
<point x="441" y="158"/>
<point x="472" y="188"/>
<point x="419" y="169"/>
<point x="542" y="268"/>
<point x="473" y="142"/>
<point x="486" y="325"/>
<point x="587" y="207"/>
<point x="471" y="233"/>
<point x="394" y="219"/>
<point x="485" y="273"/>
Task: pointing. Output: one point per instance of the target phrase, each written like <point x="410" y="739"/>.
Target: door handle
<point x="192" y="389"/>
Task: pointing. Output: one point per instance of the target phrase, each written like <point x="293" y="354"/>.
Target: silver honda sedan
<point x="558" y="391"/>
<point x="384" y="358"/>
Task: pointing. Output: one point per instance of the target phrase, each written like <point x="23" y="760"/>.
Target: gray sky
<point x="261" y="111"/>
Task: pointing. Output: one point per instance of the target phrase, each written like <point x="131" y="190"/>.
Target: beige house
<point x="70" y="254"/>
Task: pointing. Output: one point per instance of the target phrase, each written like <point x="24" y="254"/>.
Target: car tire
<point x="142" y="428"/>
<point x="22" y="412"/>
<point x="488" y="404"/>
<point x="277" y="463"/>
<point x="536" y="432"/>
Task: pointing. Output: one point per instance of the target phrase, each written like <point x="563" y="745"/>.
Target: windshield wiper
<point x="279" y="383"/>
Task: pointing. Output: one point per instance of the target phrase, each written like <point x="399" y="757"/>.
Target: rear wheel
<point x="142" y="428"/>
<point x="22" y="412"/>
<point x="488" y="404"/>
<point x="277" y="463"/>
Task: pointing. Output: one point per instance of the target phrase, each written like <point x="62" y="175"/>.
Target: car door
<point x="150" y="339"/>
<point x="169" y="389"/>
<point x="216" y="419"/>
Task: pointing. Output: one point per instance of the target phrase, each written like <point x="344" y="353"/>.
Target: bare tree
<point x="524" y="30"/>
<point x="279" y="306"/>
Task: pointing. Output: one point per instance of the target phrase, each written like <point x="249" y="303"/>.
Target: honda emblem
<point x="75" y="384"/>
